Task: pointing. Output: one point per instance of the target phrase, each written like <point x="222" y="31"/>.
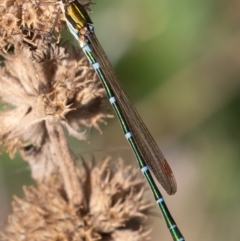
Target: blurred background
<point x="179" y="61"/>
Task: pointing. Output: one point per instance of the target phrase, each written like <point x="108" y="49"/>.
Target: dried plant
<point x="24" y="22"/>
<point x="47" y="87"/>
<point x="115" y="208"/>
<point x="41" y="98"/>
<point x="63" y="90"/>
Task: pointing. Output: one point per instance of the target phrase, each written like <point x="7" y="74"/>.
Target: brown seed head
<point x="63" y="89"/>
<point x="24" y="22"/>
<point x="115" y="211"/>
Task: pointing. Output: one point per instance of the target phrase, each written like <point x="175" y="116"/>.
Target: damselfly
<point x="142" y="143"/>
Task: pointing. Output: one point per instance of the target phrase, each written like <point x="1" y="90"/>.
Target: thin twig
<point x="66" y="164"/>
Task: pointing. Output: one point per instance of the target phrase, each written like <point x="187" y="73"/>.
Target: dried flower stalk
<point x="46" y="88"/>
<point x="60" y="91"/>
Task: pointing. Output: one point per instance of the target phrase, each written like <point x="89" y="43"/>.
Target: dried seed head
<point x="116" y="198"/>
<point x="63" y="89"/>
<point x="25" y="22"/>
<point x="45" y="213"/>
<point x="29" y="16"/>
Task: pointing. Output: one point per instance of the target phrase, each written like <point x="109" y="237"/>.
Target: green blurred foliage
<point x="16" y="173"/>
